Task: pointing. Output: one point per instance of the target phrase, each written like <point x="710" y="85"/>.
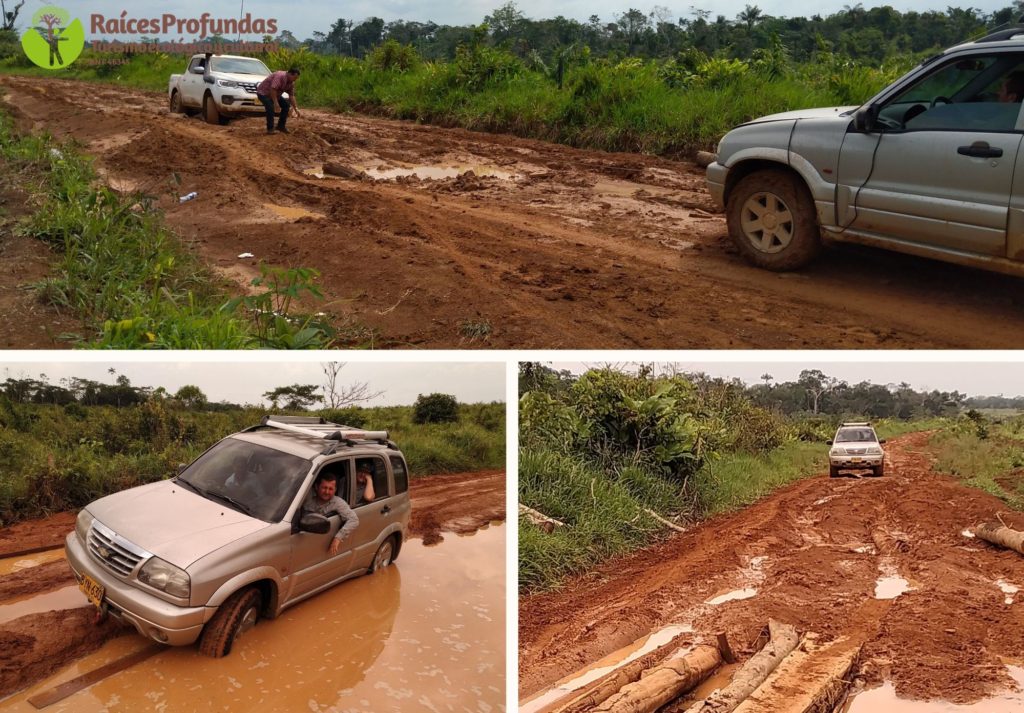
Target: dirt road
<point x="826" y="555"/>
<point x="45" y="623"/>
<point x="542" y="246"/>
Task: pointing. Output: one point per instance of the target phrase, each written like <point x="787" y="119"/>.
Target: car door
<point x="312" y="566"/>
<point x="940" y="171"/>
<point x="375" y="516"/>
<point x="192" y="85"/>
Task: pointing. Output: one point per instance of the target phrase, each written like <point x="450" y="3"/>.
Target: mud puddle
<point x="69" y="597"/>
<point x="733" y="596"/>
<point x="599" y="668"/>
<point x="434" y="173"/>
<point x="884" y="698"/>
<point x="16" y="564"/>
<point x="291" y="213"/>
<point x="427" y="634"/>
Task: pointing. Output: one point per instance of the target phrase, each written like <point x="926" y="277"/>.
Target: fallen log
<point x="1001" y="535"/>
<point x="753" y="673"/>
<point x="811" y="679"/>
<point x="670" y="679"/>
<point x="585" y="697"/>
<point x="548" y="524"/>
<point x="663" y="521"/>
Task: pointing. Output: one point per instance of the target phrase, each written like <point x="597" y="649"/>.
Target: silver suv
<point x="227" y="541"/>
<point x="928" y="167"/>
<point x="856" y="447"/>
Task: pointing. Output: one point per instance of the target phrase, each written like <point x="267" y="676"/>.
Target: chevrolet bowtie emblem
<point x="104" y="552"/>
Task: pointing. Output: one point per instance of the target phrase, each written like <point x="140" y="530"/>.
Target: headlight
<point x="837" y="452"/>
<point x="83" y="523"/>
<point x="227" y="83"/>
<point x="875" y="451"/>
<point x="166" y="577"/>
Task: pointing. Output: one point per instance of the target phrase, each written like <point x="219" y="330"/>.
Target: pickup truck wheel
<point x="235" y="616"/>
<point x="385" y="555"/>
<point x="772" y="220"/>
<point x="211" y="113"/>
<point x="176" y="103"/>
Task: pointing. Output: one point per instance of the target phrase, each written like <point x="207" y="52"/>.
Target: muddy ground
<point x="814" y="552"/>
<point x="542" y="246"/>
<point x="33" y="646"/>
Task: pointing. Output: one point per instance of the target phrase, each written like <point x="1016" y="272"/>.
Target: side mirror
<point x="864" y="118"/>
<point x="317" y="524"/>
<point x="828" y="442"/>
<point x="199" y="70"/>
<point x="181" y="468"/>
<point x="881" y="441"/>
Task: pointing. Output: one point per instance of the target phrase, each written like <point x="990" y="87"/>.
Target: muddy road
<point x="883" y="563"/>
<point x="541" y="246"/>
<point x="451" y="621"/>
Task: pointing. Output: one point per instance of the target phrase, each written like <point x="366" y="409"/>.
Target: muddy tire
<point x="211" y="113"/>
<point x="235" y="616"/>
<point x="833" y="471"/>
<point x="386" y="554"/>
<point x="175" y="106"/>
<point x="878" y="471"/>
<point x="772" y="220"/>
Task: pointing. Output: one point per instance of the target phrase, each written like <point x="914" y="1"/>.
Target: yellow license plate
<point x="92" y="589"/>
<point x="855" y="460"/>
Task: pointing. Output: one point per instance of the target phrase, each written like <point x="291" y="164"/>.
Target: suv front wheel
<point x="772" y="220"/>
<point x="234" y="617"/>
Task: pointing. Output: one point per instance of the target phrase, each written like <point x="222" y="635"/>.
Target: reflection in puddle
<point x="733" y="596"/>
<point x="612" y="661"/>
<point x="890" y="584"/>
<point x="884" y="699"/>
<point x="16" y="564"/>
<point x="427" y="634"/>
<point x="69" y="597"/>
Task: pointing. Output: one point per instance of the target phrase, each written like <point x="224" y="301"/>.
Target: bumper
<point x="240" y="104"/>
<point x="152" y="617"/>
<point x="716" y="174"/>
<point x="855" y="461"/>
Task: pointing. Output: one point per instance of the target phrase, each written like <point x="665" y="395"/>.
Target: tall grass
<point x="984" y="454"/>
<point x="54" y="458"/>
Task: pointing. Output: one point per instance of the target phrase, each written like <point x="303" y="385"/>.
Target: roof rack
<point x="855" y="423"/>
<point x="1006" y="33"/>
<point x="318" y="427"/>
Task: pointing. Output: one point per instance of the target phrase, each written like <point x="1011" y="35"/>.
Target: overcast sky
<point x="320" y="14"/>
<point x="246" y="382"/>
<point x="974" y="379"/>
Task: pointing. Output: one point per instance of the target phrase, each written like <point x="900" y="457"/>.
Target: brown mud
<point x="36" y="644"/>
<point x="577" y="249"/>
<point x="815" y="552"/>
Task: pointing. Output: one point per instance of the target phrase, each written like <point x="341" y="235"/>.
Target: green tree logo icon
<point x="55" y="39"/>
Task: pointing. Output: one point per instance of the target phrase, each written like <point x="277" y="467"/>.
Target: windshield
<point x="256" y="480"/>
<point x="855" y="435"/>
<point x="239" y="65"/>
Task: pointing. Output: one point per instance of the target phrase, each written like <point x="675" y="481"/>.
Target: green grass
<point x="989" y="458"/>
<point x="54" y="458"/>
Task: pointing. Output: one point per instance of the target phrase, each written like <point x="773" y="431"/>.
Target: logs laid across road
<point x="999" y="534"/>
<point x="661" y="684"/>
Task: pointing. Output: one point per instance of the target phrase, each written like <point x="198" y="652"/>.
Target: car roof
<point x="310" y="447"/>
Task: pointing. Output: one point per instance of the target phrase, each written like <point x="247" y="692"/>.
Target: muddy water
<point x="733" y="596"/>
<point x="68" y="597"/>
<point x="15" y="564"/>
<point x="427" y="634"/>
<point x="435" y="173"/>
<point x="885" y="699"/>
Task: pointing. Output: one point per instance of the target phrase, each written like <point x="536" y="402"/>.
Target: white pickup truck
<point x="221" y="86"/>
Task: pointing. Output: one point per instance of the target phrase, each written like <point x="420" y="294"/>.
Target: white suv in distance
<point x="228" y="541"/>
<point x="856" y="446"/>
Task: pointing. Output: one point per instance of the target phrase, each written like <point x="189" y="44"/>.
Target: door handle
<point x="385" y="510"/>
<point x="980" y="149"/>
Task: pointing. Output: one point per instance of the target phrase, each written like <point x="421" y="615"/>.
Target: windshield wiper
<point x="230" y="501"/>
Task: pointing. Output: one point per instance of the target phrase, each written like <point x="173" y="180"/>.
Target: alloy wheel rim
<point x="767" y="222"/>
<point x="383" y="557"/>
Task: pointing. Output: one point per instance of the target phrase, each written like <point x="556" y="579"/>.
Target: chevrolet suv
<point x="928" y="166"/>
<point x="204" y="555"/>
<point x="856" y="447"/>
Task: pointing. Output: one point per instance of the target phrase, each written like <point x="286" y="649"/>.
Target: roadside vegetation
<point x="130" y="281"/>
<point x="62" y="446"/>
<point x="986" y="452"/>
<point x="619" y="457"/>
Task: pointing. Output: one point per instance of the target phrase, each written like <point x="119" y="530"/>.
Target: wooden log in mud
<point x="598" y="691"/>
<point x="784" y="639"/>
<point x="670" y="679"/>
<point x="999" y="534"/>
<point x="812" y="679"/>
<point x="548" y="524"/>
<point x="705" y="158"/>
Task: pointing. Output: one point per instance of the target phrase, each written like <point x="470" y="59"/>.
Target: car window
<point x="254" y="479"/>
<point x="198" y="64"/>
<point x="379" y="471"/>
<point x="340" y="470"/>
<point x="401" y="475"/>
<point x="855" y="435"/>
<point x="965" y="94"/>
<point x="238" y="65"/>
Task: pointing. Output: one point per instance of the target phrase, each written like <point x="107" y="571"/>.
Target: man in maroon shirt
<point x="278" y="90"/>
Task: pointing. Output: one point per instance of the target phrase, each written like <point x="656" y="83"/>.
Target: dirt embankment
<point x="541" y="246"/>
<point x="814" y="552"/>
<point x="35" y="645"/>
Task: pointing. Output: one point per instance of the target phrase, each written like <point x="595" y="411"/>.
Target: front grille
<point x="114" y="551"/>
<point x="856" y="451"/>
<point x="248" y="86"/>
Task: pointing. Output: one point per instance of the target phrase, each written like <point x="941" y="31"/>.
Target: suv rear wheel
<point x="772" y="220"/>
<point x="235" y="616"/>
